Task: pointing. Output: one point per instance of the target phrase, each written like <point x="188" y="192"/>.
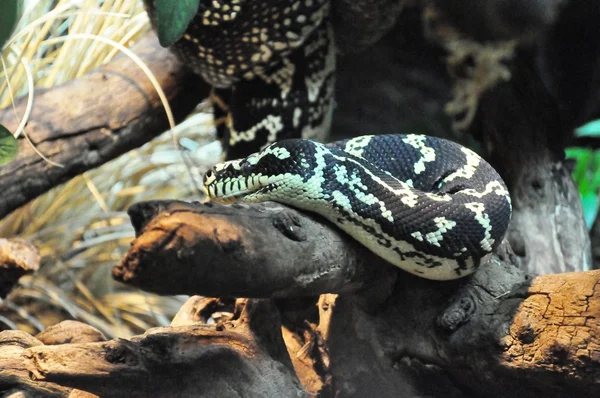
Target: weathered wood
<point x="17" y="258"/>
<point x="520" y="126"/>
<point x="15" y="379"/>
<point x="215" y="250"/>
<point x="248" y="358"/>
<point x="495" y="335"/>
<point x="70" y="332"/>
<point x="423" y="337"/>
<point x="93" y="119"/>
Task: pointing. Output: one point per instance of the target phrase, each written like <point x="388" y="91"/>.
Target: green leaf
<point x="591" y="129"/>
<point x="173" y="18"/>
<point x="583" y="157"/>
<point x="8" y="146"/>
<point x="10" y="13"/>
<point x="589" y="203"/>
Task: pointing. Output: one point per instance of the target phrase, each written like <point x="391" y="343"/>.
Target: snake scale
<point x="425" y="204"/>
<point x="271" y="63"/>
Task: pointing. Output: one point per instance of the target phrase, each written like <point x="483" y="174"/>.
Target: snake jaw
<point x="234" y="188"/>
<point x="258" y="195"/>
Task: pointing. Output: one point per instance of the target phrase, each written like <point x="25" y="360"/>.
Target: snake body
<point x="427" y="205"/>
<point x="272" y="65"/>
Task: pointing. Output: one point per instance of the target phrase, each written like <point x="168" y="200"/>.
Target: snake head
<point x="275" y="173"/>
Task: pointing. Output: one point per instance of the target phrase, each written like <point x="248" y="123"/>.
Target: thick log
<point x="471" y="336"/>
<point x="93" y="119"/>
<point x="248" y="358"/>
<point x="215" y="250"/>
<point x="15" y="380"/>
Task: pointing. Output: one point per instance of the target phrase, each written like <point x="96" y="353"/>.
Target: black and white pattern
<point x="427" y="205"/>
<point x="272" y="64"/>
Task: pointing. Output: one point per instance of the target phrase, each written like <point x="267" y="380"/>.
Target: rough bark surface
<point x="17" y="258"/>
<point x="246" y="358"/>
<point x="498" y="333"/>
<point x="93" y="119"/>
<point x="522" y="131"/>
<point x="204" y="245"/>
<point x="407" y="328"/>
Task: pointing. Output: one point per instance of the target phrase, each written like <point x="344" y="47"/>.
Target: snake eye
<point x="208" y="175"/>
<point x="246" y="169"/>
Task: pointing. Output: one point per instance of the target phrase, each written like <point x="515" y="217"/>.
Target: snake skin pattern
<point x="424" y="204"/>
<point x="271" y="63"/>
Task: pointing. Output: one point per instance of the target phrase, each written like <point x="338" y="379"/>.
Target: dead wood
<point x="245" y="358"/>
<point x="391" y="333"/>
<point x="17" y="258"/>
<point x="70" y="332"/>
<point x="93" y="119"/>
<point x="15" y="380"/>
<point x="215" y="250"/>
<point x="522" y="131"/>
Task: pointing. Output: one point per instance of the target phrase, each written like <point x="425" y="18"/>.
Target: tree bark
<point x="497" y="333"/>
<point x="245" y="358"/>
<point x="417" y="334"/>
<point x="235" y="260"/>
<point x="520" y="126"/>
<point x="17" y="258"/>
<point x="93" y="119"/>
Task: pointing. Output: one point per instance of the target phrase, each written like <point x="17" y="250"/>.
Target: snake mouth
<point x="218" y="193"/>
<point x="232" y="190"/>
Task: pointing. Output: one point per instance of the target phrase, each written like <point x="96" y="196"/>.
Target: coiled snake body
<point x="427" y="205"/>
<point x="424" y="204"/>
<point x="271" y="63"/>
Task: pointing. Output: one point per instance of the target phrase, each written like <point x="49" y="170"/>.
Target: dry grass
<point x="81" y="227"/>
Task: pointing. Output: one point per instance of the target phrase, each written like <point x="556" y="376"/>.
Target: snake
<point x="271" y="64"/>
<point x="427" y="205"/>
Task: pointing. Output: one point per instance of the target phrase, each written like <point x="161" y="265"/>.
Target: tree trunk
<point x="90" y="120"/>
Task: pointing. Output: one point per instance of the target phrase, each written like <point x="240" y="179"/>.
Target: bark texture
<point x="93" y="119"/>
<point x="17" y="258"/>
<point x="211" y="244"/>
<point x="247" y="358"/>
<point x="498" y="333"/>
<point x="354" y="326"/>
<point x="521" y="128"/>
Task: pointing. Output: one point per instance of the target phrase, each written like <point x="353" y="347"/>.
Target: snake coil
<point x="427" y="205"/>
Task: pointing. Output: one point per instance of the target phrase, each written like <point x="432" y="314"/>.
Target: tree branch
<point x="215" y="250"/>
<point x="93" y="119"/>
<point x="417" y="333"/>
<point x="520" y="125"/>
<point x="186" y="361"/>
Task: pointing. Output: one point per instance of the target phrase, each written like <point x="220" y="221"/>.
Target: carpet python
<point x="427" y="205"/>
<point x="271" y="64"/>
